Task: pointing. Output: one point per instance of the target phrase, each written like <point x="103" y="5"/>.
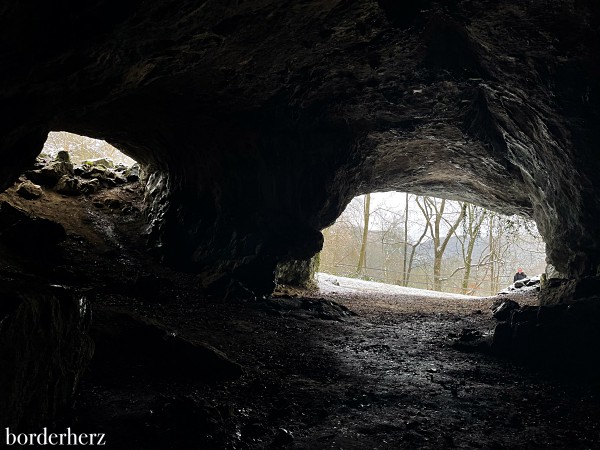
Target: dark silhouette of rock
<point x="44" y="350"/>
<point x="126" y="343"/>
<point x="19" y="230"/>
<point x="502" y="308"/>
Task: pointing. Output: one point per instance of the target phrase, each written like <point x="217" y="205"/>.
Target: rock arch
<point x="261" y="120"/>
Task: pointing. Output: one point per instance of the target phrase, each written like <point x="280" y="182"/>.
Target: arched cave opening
<point x="429" y="243"/>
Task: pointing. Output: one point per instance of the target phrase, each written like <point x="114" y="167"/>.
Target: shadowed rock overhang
<point x="260" y="120"/>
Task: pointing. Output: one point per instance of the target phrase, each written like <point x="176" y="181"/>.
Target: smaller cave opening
<point x="429" y="243"/>
<point x="74" y="213"/>
<point x="83" y="148"/>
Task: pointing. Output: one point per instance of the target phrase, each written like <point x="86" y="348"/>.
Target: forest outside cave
<point x="431" y="243"/>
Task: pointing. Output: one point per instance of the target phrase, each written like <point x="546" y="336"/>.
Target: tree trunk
<point x="474" y="225"/>
<point x="362" y="258"/>
<point x="492" y="257"/>
<point x="405" y="269"/>
<point x="439" y="244"/>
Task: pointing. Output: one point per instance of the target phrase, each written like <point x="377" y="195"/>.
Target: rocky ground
<point x="336" y="368"/>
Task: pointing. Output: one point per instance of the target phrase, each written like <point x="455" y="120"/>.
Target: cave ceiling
<point x="261" y="119"/>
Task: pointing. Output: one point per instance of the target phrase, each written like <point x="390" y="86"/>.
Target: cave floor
<point x="315" y="377"/>
<point x="320" y="370"/>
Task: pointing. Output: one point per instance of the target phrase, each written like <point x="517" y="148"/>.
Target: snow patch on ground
<point x="333" y="284"/>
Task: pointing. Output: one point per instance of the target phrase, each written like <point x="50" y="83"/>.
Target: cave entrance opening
<point x="81" y="196"/>
<point x="83" y="148"/>
<point x="430" y="243"/>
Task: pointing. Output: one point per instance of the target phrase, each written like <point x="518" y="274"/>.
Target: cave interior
<point x="256" y="122"/>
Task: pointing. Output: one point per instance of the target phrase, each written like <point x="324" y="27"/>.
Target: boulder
<point x="50" y="173"/>
<point x="44" y="350"/>
<point x="29" y="191"/>
<point x="501" y="309"/>
<point x="107" y="163"/>
<point x="519" y="284"/>
<point x="68" y="185"/>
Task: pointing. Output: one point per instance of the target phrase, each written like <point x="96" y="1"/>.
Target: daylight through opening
<point x="83" y="148"/>
<point x="431" y="243"/>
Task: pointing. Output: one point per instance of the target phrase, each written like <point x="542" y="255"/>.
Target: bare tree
<point x="433" y="213"/>
<point x="483" y="249"/>
<point x="473" y="220"/>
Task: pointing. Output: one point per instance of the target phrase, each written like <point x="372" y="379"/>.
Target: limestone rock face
<point x="300" y="273"/>
<point x="44" y="349"/>
<point x="258" y="121"/>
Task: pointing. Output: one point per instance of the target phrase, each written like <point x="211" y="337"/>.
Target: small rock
<point x="29" y="191"/>
<point x="525" y="314"/>
<point x="469" y="334"/>
<point x="120" y="179"/>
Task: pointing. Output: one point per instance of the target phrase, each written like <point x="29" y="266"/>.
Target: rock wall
<point x="44" y="350"/>
<point x="298" y="273"/>
<point x="262" y="119"/>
